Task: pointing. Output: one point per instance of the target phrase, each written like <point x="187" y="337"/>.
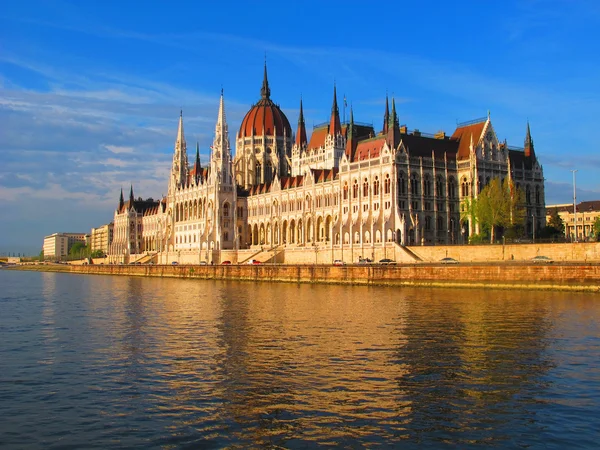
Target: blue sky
<point x="90" y="92"/>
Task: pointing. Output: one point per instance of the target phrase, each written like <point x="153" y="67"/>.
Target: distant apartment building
<point x="101" y="238"/>
<point x="586" y="215"/>
<point x="58" y="244"/>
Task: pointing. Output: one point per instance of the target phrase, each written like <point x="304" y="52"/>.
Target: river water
<point x="125" y="362"/>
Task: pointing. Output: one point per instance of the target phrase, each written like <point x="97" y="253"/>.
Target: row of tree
<point x="79" y="250"/>
<point x="501" y="206"/>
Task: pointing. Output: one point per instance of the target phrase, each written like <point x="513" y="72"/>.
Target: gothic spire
<point x="121" y="200"/>
<point x="351" y="139"/>
<point x="386" y="115"/>
<point x="180" y="167"/>
<point x="393" y="120"/>
<point x="335" y="126"/>
<point x="393" y="127"/>
<point x="301" y="133"/>
<point x="131" y="197"/>
<point x="265" y="92"/>
<point x="197" y="166"/>
<point x="528" y="143"/>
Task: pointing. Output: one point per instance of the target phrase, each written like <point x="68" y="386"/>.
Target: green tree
<point x="42" y="255"/>
<point x="597" y="228"/>
<point x="469" y="211"/>
<point x="500" y="205"/>
<point x="97" y="254"/>
<point x="556" y="225"/>
<point x="78" y="249"/>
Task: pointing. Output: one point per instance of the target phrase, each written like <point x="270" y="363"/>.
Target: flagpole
<point x="344" y="108"/>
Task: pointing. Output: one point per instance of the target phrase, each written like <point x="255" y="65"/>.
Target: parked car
<point x="387" y="261"/>
<point x="226" y="263"/>
<point x="174" y="263"/>
<point x="253" y="261"/>
<point x="203" y="263"/>
<point x="339" y="262"/>
<point x="448" y="261"/>
<point x="542" y="260"/>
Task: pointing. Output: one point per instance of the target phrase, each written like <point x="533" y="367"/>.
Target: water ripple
<point x="101" y="362"/>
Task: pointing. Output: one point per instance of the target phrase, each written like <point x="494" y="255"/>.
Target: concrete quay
<point x="571" y="276"/>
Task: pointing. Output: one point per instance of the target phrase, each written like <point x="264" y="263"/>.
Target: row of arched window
<point x="427" y="187"/>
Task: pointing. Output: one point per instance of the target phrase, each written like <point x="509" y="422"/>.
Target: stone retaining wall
<point x="582" y="277"/>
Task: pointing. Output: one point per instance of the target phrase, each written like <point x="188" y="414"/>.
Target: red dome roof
<point x="265" y="115"/>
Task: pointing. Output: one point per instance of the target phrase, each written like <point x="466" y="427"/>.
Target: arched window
<point x="537" y="195"/>
<point x="345" y="190"/>
<point x="387" y="184"/>
<point x="226" y="210"/>
<point x="452" y="188"/>
<point x="414" y="184"/>
<point x="440" y="223"/>
<point x="376" y="186"/>
<point x="401" y="183"/>
<point x="527" y="194"/>
<point x="464" y="187"/>
<point x="258" y="174"/>
<point x="355" y="189"/>
<point x="439" y="186"/>
<point x="427" y="185"/>
<point x="365" y="188"/>
<point x="428" y="223"/>
<point x="268" y="171"/>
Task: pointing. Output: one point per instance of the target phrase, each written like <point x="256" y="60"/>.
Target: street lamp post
<point x="574" y="203"/>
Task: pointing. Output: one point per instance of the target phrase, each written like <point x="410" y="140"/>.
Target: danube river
<point x="124" y="362"/>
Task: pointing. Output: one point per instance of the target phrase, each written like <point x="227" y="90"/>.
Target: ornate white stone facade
<point x="347" y="187"/>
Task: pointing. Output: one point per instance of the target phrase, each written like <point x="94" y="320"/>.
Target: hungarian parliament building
<point x="347" y="190"/>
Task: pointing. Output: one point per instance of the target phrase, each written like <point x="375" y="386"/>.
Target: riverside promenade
<point x="572" y="276"/>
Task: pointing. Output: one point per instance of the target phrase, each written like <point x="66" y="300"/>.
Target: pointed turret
<point x="335" y="126"/>
<point x="131" y="197"/>
<point x="220" y="156"/>
<point x="180" y="137"/>
<point x="179" y="169"/>
<point x="393" y="127"/>
<point x="197" y="166"/>
<point x="265" y="92"/>
<point x="386" y="115"/>
<point x="121" y="201"/>
<point x="301" y="133"/>
<point x="351" y="141"/>
<point x="528" y="143"/>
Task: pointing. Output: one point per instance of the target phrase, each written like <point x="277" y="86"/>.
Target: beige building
<point x="587" y="212"/>
<point x="58" y="244"/>
<point x="347" y="188"/>
<point x="101" y="238"/>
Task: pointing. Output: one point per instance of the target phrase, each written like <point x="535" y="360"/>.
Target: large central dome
<point x="265" y="117"/>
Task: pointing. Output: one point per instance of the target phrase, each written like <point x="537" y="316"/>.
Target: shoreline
<point x="575" y="277"/>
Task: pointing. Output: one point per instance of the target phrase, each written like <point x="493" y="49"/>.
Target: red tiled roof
<point x="317" y="138"/>
<point x="369" y="148"/>
<point x="463" y="135"/>
<point x="265" y="114"/>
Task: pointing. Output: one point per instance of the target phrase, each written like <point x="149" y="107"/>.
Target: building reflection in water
<point x="285" y="364"/>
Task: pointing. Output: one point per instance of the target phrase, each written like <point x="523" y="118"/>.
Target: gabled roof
<point x="317" y="138"/>
<point x="292" y="182"/>
<point x="463" y="135"/>
<point x="323" y="175"/>
<point x="369" y="148"/>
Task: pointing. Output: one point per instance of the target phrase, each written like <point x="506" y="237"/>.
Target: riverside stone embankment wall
<point x="577" y="277"/>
